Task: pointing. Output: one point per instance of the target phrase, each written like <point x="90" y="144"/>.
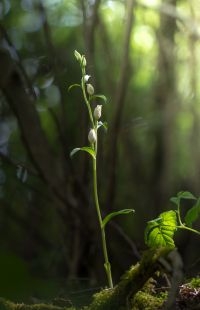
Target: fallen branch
<point x="8" y="305"/>
<point x="132" y="282"/>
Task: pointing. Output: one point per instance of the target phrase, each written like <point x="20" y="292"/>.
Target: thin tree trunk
<point x="166" y="106"/>
<point x="194" y="138"/>
<point x="119" y="102"/>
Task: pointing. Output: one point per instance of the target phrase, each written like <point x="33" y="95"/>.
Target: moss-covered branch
<point x="117" y="298"/>
<point x="8" y="305"/>
<point x="130" y="284"/>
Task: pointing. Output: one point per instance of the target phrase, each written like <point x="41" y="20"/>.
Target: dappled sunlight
<point x="99" y="118"/>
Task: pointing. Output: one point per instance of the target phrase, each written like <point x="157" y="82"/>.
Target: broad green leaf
<point x="73" y="85"/>
<point x="99" y="97"/>
<point x="160" y="232"/>
<point x="87" y="149"/>
<point x="193" y="214"/>
<point x="182" y="195"/>
<point x="175" y="200"/>
<point x="113" y="214"/>
<point x="186" y="195"/>
<point x="100" y="124"/>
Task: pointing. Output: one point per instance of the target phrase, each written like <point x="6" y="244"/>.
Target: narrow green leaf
<point x="160" y="232"/>
<point x="100" y="124"/>
<point x="193" y="214"/>
<point x="87" y="149"/>
<point x="99" y="97"/>
<point x="73" y="85"/>
<point x="113" y="214"/>
<point x="74" y="151"/>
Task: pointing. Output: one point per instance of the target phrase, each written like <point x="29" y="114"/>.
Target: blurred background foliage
<point x="143" y="55"/>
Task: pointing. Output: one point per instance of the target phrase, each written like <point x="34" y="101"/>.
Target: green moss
<point x="135" y="288"/>
<point x="101" y="299"/>
<point x="194" y="283"/>
<point x="131" y="283"/>
<point x="8" y="305"/>
<point x="147" y="298"/>
<point x="143" y="300"/>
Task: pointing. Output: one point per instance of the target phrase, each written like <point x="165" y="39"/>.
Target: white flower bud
<point x="77" y="55"/>
<point x="92" y="137"/>
<point x="84" y="62"/>
<point x="90" y="89"/>
<point x="86" y="78"/>
<point x="97" y="112"/>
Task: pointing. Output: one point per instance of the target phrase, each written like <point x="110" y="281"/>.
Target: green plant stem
<point x="179" y="215"/>
<point x="107" y="263"/>
<point x="94" y="146"/>
<point x="103" y="236"/>
<point x="182" y="226"/>
<point x="85" y="97"/>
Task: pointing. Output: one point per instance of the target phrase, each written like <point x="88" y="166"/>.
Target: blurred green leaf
<point x="99" y="97"/>
<point x="185" y="195"/>
<point x="175" y="200"/>
<point x="182" y="195"/>
<point x="193" y="214"/>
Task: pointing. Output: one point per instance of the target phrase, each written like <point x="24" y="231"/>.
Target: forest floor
<point x="151" y="297"/>
<point x="140" y="288"/>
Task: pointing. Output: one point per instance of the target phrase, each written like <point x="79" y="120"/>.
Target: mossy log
<point x="134" y="291"/>
<point x="8" y="305"/>
<point x="133" y="281"/>
<point x="110" y="299"/>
